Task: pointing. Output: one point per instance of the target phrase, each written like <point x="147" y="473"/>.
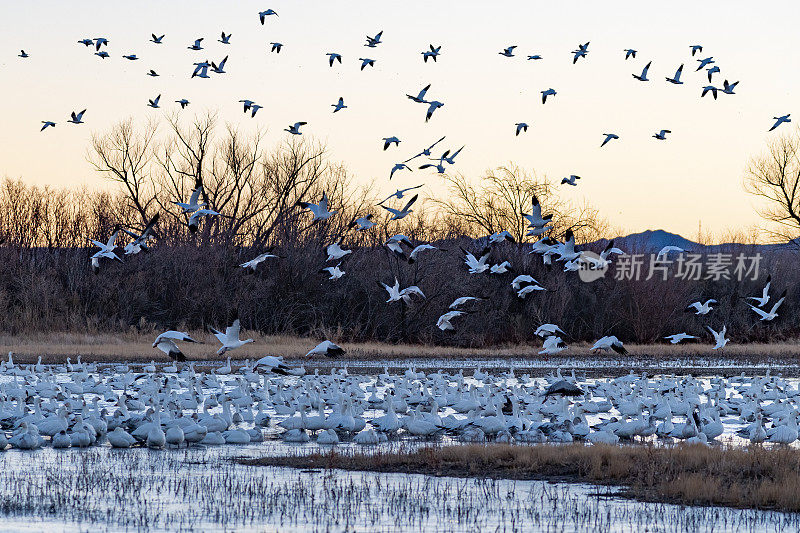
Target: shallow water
<point x="201" y="489"/>
<point x="204" y="489"/>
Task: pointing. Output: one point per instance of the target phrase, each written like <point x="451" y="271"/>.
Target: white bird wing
<point x="221" y="337"/>
<point x="761" y="312"/>
<point x="413" y="289"/>
<point x="196" y="194"/>
<point x="410" y="203"/>
<point x="393" y="211"/>
<point x="323" y="204"/>
<point x="777" y="304"/>
<point x="166" y="345"/>
<point x="232" y="331"/>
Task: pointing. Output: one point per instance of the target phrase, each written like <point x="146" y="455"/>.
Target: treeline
<point x="192" y="281"/>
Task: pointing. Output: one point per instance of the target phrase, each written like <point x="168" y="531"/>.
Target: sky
<point x="637" y="182"/>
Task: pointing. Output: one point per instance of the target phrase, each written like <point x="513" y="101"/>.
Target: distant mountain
<point x="652" y="241"/>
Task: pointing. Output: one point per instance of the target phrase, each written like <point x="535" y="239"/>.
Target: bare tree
<point x="775" y="177"/>
<point x="124" y="154"/>
<point x="500" y="200"/>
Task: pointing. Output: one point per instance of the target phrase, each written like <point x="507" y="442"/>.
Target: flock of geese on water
<point x="79" y="405"/>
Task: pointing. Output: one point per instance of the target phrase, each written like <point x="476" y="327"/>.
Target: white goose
<point x="230" y="339"/>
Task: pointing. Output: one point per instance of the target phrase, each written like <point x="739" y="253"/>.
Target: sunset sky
<point x="637" y="182"/>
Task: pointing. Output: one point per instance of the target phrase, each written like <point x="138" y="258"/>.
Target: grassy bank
<point x="135" y="347"/>
<point x="754" y="477"/>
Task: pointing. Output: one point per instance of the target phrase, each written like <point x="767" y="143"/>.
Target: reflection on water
<point x="203" y="490"/>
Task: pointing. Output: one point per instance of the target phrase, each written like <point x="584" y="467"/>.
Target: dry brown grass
<point x="134" y="347"/>
<point x="752" y="477"/>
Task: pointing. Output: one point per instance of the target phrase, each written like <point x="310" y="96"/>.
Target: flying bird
<point x="701" y="308"/>
<point x="609" y="137"/>
<point x="154" y="103"/>
<point x="535" y="219"/>
<point x="400" y="192"/>
<point x="432" y="106"/>
<point x="399" y="166"/>
<point x="704" y="63"/>
<point x="711" y="89"/>
<point x="140" y="240"/>
<point x="387" y="142"/>
<point x="166" y="343"/>
<point x="156" y="40"/>
<point x="294" y="129"/>
<point x="630" y="52"/>
<point x="676" y="79"/>
<point x="338" y="106"/>
<point x="667" y="249"/>
<point x="696" y="48"/>
<point x="336" y="252"/>
<point x="571" y="180"/>
<point x="320" y="210"/>
<point x="76" y="118"/>
<point x="728" y="87"/>
<point x="333" y="56"/>
<point x="420" y="97"/>
<point x="713" y="70"/>
<point x="196" y="45"/>
<point x="521" y="126"/>
<point x="477" y="265"/>
<point x="363" y="223"/>
<point x="508" y="52"/>
<point x="225" y="39"/>
<point x="334" y="272"/>
<point x="662" y="135"/>
<point x="396" y="294"/>
<point x="276" y="47"/>
<point x="230" y="339"/>
<point x="444" y="322"/>
<point x="773" y="313"/>
<point x="326" y="348"/>
<point x="365" y="61"/>
<point x="257" y="260"/>
<point x="372" y="42"/>
<point x="402" y="213"/>
<point x="678" y="337"/>
<point x="719" y="337"/>
<point x="764" y="298"/>
<point x="47" y="124"/>
<point x="643" y="75"/>
<point x="780" y="120"/>
<point x="183" y="102"/>
<point x="433" y="53"/>
<point x="546" y="93"/>
<point x="194" y="200"/>
<point x="219" y="69"/>
<point x="194" y="220"/>
<point x="262" y="15"/>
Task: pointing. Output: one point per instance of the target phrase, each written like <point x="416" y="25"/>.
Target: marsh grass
<point x="135" y="347"/>
<point x="752" y="478"/>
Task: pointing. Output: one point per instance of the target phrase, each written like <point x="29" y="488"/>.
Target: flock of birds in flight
<point x="477" y="263"/>
<point x="173" y="408"/>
